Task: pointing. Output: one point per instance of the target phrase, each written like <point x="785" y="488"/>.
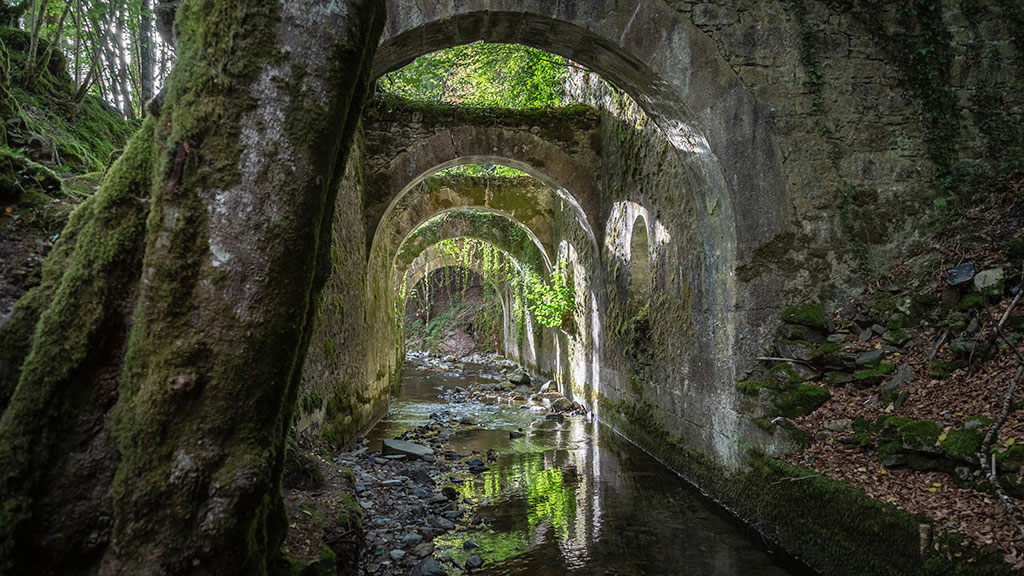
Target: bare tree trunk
<point x="78" y="41"/>
<point x="146" y="59"/>
<point x="83" y="88"/>
<point x="122" y="68"/>
<point x="38" y="11"/>
<point x="38" y="67"/>
<point x="235" y="252"/>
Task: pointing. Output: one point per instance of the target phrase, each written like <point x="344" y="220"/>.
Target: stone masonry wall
<point x="352" y="359"/>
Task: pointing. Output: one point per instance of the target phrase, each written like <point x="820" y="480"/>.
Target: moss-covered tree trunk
<point x="146" y="432"/>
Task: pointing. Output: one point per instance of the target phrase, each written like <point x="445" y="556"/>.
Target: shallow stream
<point x="572" y="496"/>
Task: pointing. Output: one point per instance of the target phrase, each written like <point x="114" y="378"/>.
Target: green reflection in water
<point x="495" y="546"/>
<point x="547" y="493"/>
<point x="551" y="499"/>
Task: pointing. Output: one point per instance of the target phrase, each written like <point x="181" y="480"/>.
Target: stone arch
<point x="555" y="150"/>
<point x="715" y="126"/>
<point x="540" y="220"/>
<point x="494" y="228"/>
<point x="672" y="69"/>
<point x="431" y="259"/>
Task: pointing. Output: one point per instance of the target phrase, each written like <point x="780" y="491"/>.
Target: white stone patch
<point x="182" y="466"/>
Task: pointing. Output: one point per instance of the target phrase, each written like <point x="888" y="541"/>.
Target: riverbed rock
<point x="395" y="447"/>
<point x="428" y="567"/>
<point x="418" y="476"/>
<point x="519" y="376"/>
<point x="474" y="562"/>
<point x="423" y="549"/>
<point x="561" y="404"/>
<point x="411" y="539"/>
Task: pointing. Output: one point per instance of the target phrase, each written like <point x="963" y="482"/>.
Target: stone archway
<point x="721" y="137"/>
<point x="404" y="146"/>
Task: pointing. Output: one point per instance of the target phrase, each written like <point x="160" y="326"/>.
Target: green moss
<point x="753" y="387"/>
<point x="789" y="399"/>
<point x="862" y="430"/>
<point x="941" y="369"/>
<point x="87" y="288"/>
<point x="351" y="514"/>
<point x="962" y="443"/>
<point x="908" y="433"/>
<point x="801" y="400"/>
<point x="896" y="321"/>
<point x="807" y="314"/>
<point x="897" y="336"/>
<point x="921" y="434"/>
<point x="874" y="376"/>
<point x="972" y="300"/>
<point x="24" y="182"/>
<point x="1015" y="251"/>
<point x="826" y="351"/>
<point x="784" y="372"/>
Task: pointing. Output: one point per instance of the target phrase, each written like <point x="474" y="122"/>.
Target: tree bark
<point x="122" y="68"/>
<point x="240" y="165"/>
<point x="146" y="59"/>
<point x="38" y="13"/>
<point x="39" y="66"/>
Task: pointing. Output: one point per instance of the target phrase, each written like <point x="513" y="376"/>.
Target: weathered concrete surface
<point x="347" y="376"/>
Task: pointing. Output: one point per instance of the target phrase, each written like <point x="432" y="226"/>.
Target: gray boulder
<point x="395" y="447"/>
<point x="519" y="376"/>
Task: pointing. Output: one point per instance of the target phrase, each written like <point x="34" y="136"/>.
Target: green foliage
<point x="550" y="302"/>
<point x="480" y="74"/>
<point x="482" y="171"/>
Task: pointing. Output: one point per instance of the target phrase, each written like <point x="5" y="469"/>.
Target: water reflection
<point x="573" y="497"/>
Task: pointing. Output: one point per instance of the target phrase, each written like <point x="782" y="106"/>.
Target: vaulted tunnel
<point x="256" y="284"/>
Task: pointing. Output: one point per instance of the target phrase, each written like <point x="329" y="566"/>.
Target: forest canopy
<point x="485" y="75"/>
